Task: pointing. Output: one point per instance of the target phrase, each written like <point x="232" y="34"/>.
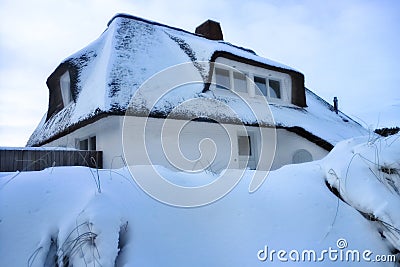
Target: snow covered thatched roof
<point x="109" y="71"/>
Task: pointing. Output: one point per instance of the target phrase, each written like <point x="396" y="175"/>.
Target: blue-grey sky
<point x="345" y="48"/>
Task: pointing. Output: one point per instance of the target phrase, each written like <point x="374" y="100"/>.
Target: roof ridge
<point x="128" y="16"/>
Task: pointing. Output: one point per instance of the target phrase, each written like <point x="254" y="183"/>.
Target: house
<point x="147" y="93"/>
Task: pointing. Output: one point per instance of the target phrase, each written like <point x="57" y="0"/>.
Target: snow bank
<point x="88" y="217"/>
<point x="368" y="178"/>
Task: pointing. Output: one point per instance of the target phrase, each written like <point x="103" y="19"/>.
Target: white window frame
<point x="267" y="79"/>
<point x="252" y="71"/>
<point x="89" y="140"/>
<point x="250" y="160"/>
<point x="246" y="78"/>
<point x="231" y="80"/>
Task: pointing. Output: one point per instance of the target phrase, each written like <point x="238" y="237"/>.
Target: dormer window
<point x="65" y="86"/>
<point x="251" y="81"/>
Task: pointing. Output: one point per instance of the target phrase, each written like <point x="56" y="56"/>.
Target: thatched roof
<point x="109" y="71"/>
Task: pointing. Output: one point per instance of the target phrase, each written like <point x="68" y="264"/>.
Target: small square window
<point x="240" y="82"/>
<point x="261" y="84"/>
<point x="244" y="145"/>
<point x="84" y="144"/>
<point x="222" y="79"/>
<point x="274" y="89"/>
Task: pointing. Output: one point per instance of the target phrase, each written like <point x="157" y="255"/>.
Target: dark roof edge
<point x="309" y="136"/>
<point x="76" y="126"/>
<point x="229" y="55"/>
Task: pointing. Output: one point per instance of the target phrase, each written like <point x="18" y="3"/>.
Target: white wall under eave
<point x="288" y="143"/>
<point x="187" y="146"/>
<point x="178" y="143"/>
<point x="108" y="139"/>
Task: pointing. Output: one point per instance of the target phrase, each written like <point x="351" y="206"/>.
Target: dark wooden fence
<point x="23" y="159"/>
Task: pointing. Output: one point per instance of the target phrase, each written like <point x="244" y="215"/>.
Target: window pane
<point x="84" y="144"/>
<point x="65" y="85"/>
<point x="262" y="86"/>
<point x="274" y="89"/>
<point x="222" y="79"/>
<point x="244" y="146"/>
<point x="92" y="143"/>
<point x="240" y="82"/>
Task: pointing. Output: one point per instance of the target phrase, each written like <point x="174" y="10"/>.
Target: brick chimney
<point x="211" y="30"/>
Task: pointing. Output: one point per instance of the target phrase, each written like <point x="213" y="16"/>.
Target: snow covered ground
<point x="87" y="217"/>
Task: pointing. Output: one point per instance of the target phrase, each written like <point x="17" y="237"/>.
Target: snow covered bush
<point x="367" y="177"/>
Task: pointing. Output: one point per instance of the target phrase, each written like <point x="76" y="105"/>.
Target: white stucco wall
<point x="108" y="139"/>
<point x="288" y="143"/>
<point x="188" y="146"/>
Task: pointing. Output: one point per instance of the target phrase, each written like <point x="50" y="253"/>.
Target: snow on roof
<point x="111" y="69"/>
<point x="319" y="119"/>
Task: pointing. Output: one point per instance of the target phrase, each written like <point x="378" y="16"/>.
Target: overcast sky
<point x="349" y="49"/>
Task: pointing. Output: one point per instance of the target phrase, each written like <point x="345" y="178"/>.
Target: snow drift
<point x="76" y="216"/>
